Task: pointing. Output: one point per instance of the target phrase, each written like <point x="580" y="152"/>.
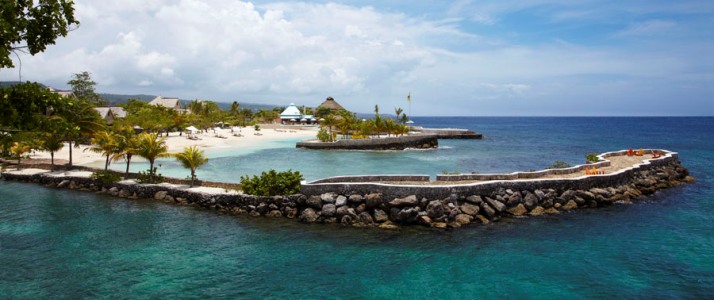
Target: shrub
<point x="146" y="177"/>
<point x="559" y="165"/>
<point x="272" y="183"/>
<point x="105" y="177"/>
<point x="592" y="157"/>
<point x="323" y="136"/>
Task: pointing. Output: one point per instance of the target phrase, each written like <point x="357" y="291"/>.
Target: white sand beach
<point x="221" y="138"/>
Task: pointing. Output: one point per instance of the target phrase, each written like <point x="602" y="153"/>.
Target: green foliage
<point x="31" y="25"/>
<point x="83" y="88"/>
<point x="105" y="177"/>
<point x="272" y="183"/>
<point x="150" y="176"/>
<point x="559" y="165"/>
<point x="323" y="135"/>
<point x="256" y="127"/>
<point x="191" y="158"/>
<point x="29" y="106"/>
<point x="592" y="157"/>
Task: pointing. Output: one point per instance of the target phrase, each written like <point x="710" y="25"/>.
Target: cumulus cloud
<point x="362" y="55"/>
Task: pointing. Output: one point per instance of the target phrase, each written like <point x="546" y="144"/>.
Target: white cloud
<point x="361" y="55"/>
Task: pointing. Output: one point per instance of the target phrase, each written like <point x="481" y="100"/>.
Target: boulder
<point x="160" y="195"/>
<point x="365" y="218"/>
<point x="168" y="198"/>
<point x="435" y="209"/>
<point x="290" y="212"/>
<point x="586" y="195"/>
<point x="497" y="205"/>
<point x="406" y="201"/>
<point x="539" y="194"/>
<point x="537" y="211"/>
<point x="487" y="210"/>
<point x="356" y="199"/>
<point x="380" y="216"/>
<point x="601" y="192"/>
<point x="347" y="220"/>
<point x="475" y="199"/>
<point x="482" y="219"/>
<point x="314" y="202"/>
<point x="308" y="215"/>
<point x="530" y="201"/>
<point x="570" y="205"/>
<point x="63" y="183"/>
<point x="340" y="201"/>
<point x="327" y="198"/>
<point x="518" y="210"/>
<point x="274" y="214"/>
<point x="329" y="210"/>
<point x="468" y="209"/>
<point x="424" y="220"/>
<point x="388" y="225"/>
<point x="463" y="219"/>
<point x="405" y="215"/>
<point x="568" y="195"/>
<point x="514" y="199"/>
<point x="373" y="200"/>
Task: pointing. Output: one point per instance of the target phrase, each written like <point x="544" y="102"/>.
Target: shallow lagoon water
<point x="68" y="244"/>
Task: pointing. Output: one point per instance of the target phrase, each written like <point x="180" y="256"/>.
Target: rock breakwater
<point x="375" y="209"/>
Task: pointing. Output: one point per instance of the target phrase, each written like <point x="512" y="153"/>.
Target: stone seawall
<point x="390" y="206"/>
<point x="387" y="143"/>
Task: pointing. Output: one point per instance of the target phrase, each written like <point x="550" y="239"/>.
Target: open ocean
<point x="69" y="244"/>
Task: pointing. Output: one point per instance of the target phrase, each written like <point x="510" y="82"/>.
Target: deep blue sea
<point x="69" y="244"/>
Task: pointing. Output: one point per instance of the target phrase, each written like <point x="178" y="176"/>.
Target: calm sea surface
<point x="67" y="244"/>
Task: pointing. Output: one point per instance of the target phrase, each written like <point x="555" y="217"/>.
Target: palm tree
<point x="83" y="120"/>
<point x="329" y="121"/>
<point x="151" y="147"/>
<point x="107" y="144"/>
<point x="18" y="149"/>
<point x="127" y="144"/>
<point x="52" y="142"/>
<point x="191" y="158"/>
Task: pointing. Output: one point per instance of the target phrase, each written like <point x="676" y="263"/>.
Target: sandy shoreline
<point x="209" y="140"/>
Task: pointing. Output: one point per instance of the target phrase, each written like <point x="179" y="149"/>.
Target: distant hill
<point x="116" y="99"/>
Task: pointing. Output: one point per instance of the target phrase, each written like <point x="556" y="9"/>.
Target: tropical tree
<point x="83" y="120"/>
<point x="83" y="88"/>
<point x="151" y="147"/>
<point x="18" y="149"/>
<point x="329" y="121"/>
<point x="52" y="142"/>
<point x="29" y="25"/>
<point x="107" y="144"/>
<point x="127" y="145"/>
<point x="191" y="158"/>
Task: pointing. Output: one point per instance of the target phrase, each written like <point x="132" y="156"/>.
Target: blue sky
<point x="483" y="58"/>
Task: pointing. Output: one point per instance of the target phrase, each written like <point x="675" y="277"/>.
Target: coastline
<point x="176" y="142"/>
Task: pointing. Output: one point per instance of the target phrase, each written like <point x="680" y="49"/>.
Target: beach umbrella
<point x="191" y="129"/>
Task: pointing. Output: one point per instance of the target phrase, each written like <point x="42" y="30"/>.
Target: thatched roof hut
<point x="331" y="104"/>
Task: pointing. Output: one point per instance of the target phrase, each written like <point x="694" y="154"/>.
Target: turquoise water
<point x="67" y="244"/>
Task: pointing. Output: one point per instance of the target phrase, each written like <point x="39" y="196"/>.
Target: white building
<point x="293" y="115"/>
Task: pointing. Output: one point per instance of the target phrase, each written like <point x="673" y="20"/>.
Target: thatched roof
<point x="331" y="104"/>
<point x="166" y="102"/>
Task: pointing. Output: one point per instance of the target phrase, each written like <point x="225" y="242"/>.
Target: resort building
<point x="293" y="115"/>
<point x="330" y="104"/>
<point x="109" y="114"/>
<point x="170" y="103"/>
<point x="63" y="93"/>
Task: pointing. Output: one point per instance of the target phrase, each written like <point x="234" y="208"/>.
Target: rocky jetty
<point x="377" y="210"/>
<point x="384" y="143"/>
